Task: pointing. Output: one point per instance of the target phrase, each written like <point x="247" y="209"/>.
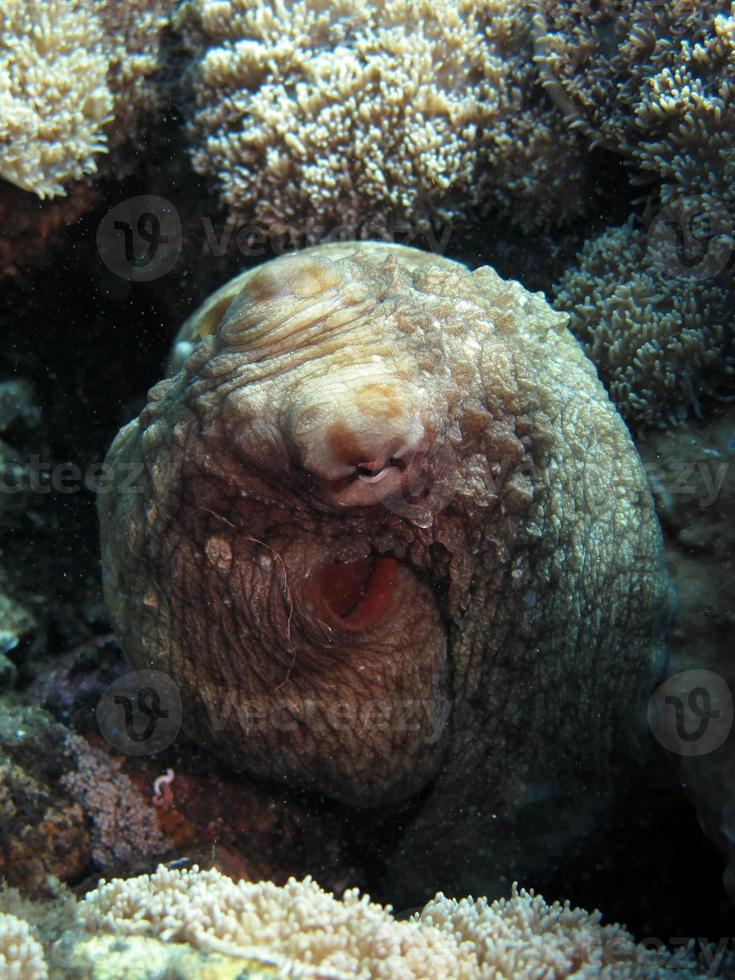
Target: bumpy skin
<point x="387" y="516"/>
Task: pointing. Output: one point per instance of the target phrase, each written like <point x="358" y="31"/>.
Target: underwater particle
<point x="661" y="337"/>
<point x="396" y="435"/>
<point x="364" y="119"/>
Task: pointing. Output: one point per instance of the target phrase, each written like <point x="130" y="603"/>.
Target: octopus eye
<point x="375" y="472"/>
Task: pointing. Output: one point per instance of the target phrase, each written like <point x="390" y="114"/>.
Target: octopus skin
<point x="395" y="545"/>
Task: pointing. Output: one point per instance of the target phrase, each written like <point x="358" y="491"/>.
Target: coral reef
<point x="661" y="337"/>
<point x="21" y="955"/>
<point x="68" y="71"/>
<point x="524" y="936"/>
<point x="429" y="513"/>
<point x="48" y="920"/>
<point x="359" y="118"/>
<point x="296" y="925"/>
<point x="650" y="80"/>
<point x="54" y="99"/>
<point x="67" y="808"/>
<point x="300" y="930"/>
<point x="653" y="82"/>
<point x="537" y="172"/>
<point x="133" y="32"/>
<point x="125" y="827"/>
<point x="108" y="957"/>
<point x="42" y="830"/>
<point x="201" y="923"/>
<point x="434" y="123"/>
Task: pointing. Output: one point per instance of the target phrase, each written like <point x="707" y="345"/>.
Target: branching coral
<point x="296" y="924"/>
<point x="364" y="116"/>
<point x="29" y="930"/>
<point x="537" y="174"/>
<point x="21" y="955"/>
<point x="54" y="99"/>
<point x="68" y="69"/>
<point x="306" y="932"/>
<point x="662" y="339"/>
<point x="524" y="936"/>
<point x="654" y="81"/>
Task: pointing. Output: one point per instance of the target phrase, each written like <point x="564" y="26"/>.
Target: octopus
<point x="394" y="544"/>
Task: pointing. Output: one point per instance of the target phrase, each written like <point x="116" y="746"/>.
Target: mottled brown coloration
<point x="498" y="619"/>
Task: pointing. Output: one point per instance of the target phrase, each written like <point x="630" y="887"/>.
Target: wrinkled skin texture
<point x="388" y="516"/>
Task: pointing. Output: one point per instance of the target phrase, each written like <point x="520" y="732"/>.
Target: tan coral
<point x="651" y="80"/>
<point x="297" y="924"/>
<point x="54" y="98"/>
<point x="300" y="930"/>
<point x="68" y="69"/>
<point x="525" y="936"/>
<point x="687" y="115"/>
<point x="21" y="955"/>
<point x="363" y="117"/>
<point x="538" y="171"/>
<point x="661" y="337"/>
